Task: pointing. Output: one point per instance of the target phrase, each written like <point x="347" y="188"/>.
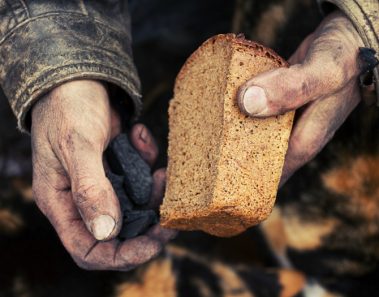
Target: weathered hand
<point x="322" y="80"/>
<point x="71" y="127"/>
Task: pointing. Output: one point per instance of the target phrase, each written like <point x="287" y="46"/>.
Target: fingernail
<point x="254" y="100"/>
<point x="102" y="226"/>
<point x="144" y="134"/>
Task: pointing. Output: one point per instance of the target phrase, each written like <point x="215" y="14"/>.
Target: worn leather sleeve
<point x="364" y="14"/>
<point x="44" y="43"/>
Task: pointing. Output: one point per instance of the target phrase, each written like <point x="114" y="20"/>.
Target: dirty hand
<point x="71" y="128"/>
<point x="322" y="80"/>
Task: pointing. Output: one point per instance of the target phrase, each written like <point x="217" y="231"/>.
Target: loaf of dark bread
<point x="224" y="167"/>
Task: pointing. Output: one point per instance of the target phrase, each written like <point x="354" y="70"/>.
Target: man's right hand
<point x="71" y="128"/>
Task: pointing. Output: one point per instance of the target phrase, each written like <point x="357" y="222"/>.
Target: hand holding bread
<point x="224" y="169"/>
<point x="323" y="81"/>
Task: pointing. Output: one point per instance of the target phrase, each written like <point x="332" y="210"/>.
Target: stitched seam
<point x="52" y="14"/>
<point x="90" y="66"/>
<point x="368" y="20"/>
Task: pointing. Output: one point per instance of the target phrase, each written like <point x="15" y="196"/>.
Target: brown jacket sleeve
<point x="44" y="43"/>
<point x="365" y="16"/>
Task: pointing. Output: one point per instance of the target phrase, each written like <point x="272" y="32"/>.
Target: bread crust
<point x="236" y="39"/>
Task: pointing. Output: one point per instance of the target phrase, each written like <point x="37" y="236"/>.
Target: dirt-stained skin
<point x="322" y="81"/>
<point x="70" y="186"/>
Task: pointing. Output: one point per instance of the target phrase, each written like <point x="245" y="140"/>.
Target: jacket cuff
<point x="47" y="51"/>
<point x="364" y="15"/>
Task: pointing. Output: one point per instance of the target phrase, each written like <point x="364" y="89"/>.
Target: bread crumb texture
<point x="224" y="167"/>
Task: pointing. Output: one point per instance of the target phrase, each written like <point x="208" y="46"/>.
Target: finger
<point x="300" y="53"/>
<point x="159" y="186"/>
<point x="86" y="251"/>
<point x="328" y="67"/>
<point x="116" y="255"/>
<point x="144" y="143"/>
<point x="111" y="255"/>
<point x="92" y="192"/>
<point x="315" y="127"/>
<point x="115" y="123"/>
<point x="161" y="234"/>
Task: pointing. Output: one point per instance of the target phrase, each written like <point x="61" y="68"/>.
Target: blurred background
<point x="324" y="235"/>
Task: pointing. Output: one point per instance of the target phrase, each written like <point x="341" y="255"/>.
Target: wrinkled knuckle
<point x="79" y="198"/>
<point x="276" y="108"/>
<point x="306" y="87"/>
<point x="84" y="191"/>
<point x="90" y="195"/>
<point x="65" y="142"/>
<point x="290" y="95"/>
<point x="73" y="139"/>
<point x="298" y="85"/>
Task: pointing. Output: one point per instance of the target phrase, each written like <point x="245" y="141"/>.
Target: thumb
<point x="278" y="91"/>
<point x="92" y="192"/>
<point x="328" y="66"/>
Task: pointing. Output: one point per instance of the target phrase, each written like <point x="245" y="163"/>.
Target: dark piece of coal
<point x="137" y="222"/>
<point x="117" y="182"/>
<point x="125" y="160"/>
